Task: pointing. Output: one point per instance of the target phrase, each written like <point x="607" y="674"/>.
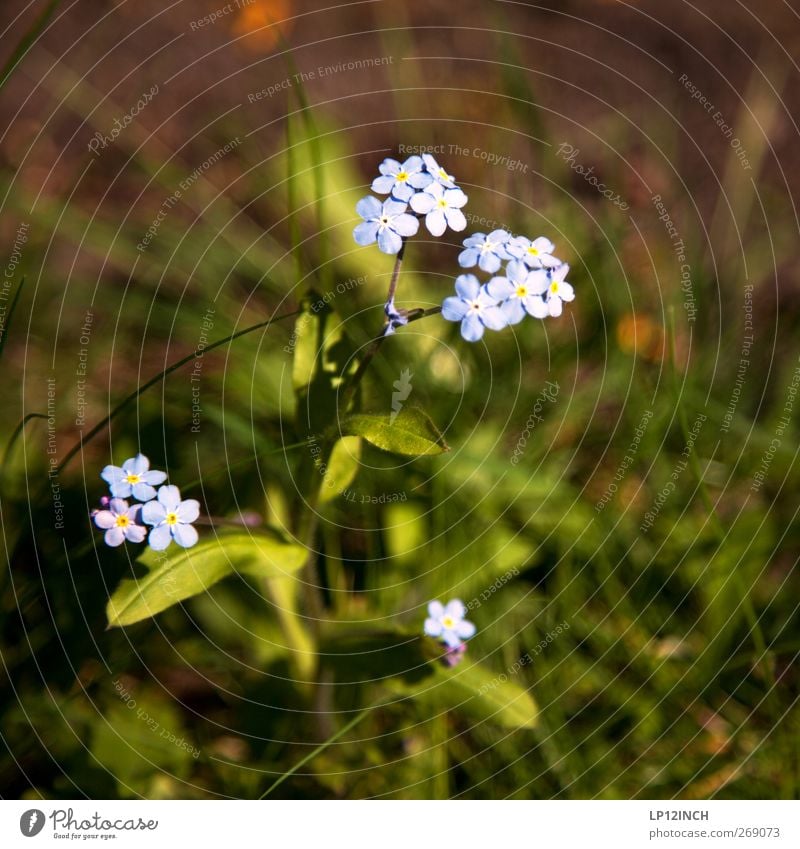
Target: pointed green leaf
<point x="341" y="469"/>
<point x="411" y="432"/>
<point x="178" y="574"/>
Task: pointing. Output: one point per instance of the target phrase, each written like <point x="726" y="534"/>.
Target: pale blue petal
<point x="500" y="288"/>
<point x="392" y="207"/>
<point x="143" y="491"/>
<point x="159" y="538"/>
<point x="475" y="240"/>
<point x="494" y="318"/>
<point x="514" y="311"/>
<point x="455" y="609"/>
<point x="105" y="519"/>
<point x="420" y="180"/>
<point x="517" y="271"/>
<point x="366" y="233"/>
<point x="422" y="202"/>
<point x="451" y="638"/>
<point x="369" y="207"/>
<point x="536" y="306"/>
<point x="405" y="224"/>
<point x="170" y="497"/>
<point x="185" y="535"/>
<point x="112" y="474"/>
<point x="538" y="282"/>
<point x="435" y="222"/>
<point x="402" y="191"/>
<point x="554" y="306"/>
<point x="468" y="258"/>
<point x="154" y="478"/>
<point x="455" y="198"/>
<point x="456" y="220"/>
<point x="383" y="185"/>
<point x="114" y="536"/>
<point x="188" y="510"/>
<point x="433" y="627"/>
<point x="489" y="262"/>
<point x="135" y="533"/>
<point x="454" y="309"/>
<point x="467" y="286"/>
<point x="465" y="630"/>
<point x="120" y="489"/>
<point x="412" y="165"/>
<point x="140" y="464"/>
<point x="435" y="609"/>
<point x="389" y="242"/>
<point x="389" y="166"/>
<point x="153" y="513"/>
<point x="471" y="327"/>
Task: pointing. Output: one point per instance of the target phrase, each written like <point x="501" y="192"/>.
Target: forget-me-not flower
<point x="441" y="208"/>
<point x="437" y="172"/>
<point x="485" y="251"/>
<point x="535" y="254"/>
<point x="388" y="223"/>
<point x="171" y="519"/>
<point x="120" y="522"/>
<point x="520" y="292"/>
<point x="448" y="624"/>
<point x="474" y="307"/>
<point x="401" y="180"/>
<point x="557" y="288"/>
<point x="133" y="478"/>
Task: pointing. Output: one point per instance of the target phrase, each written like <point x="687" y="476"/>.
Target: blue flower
<point x="133" y="478"/>
<point x="474" y="307"/>
<point x="171" y="519"/>
<point x="558" y="290"/>
<point x="394" y="318"/>
<point x="401" y="180"/>
<point x="437" y="172"/>
<point x="520" y="292"/>
<point x="448" y="623"/>
<point x="485" y="251"/>
<point x="120" y="522"/>
<point x="388" y="223"/>
<point x="441" y="207"/>
<point x="535" y="254"/>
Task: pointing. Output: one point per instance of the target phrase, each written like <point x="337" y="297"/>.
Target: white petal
<point x="435" y="222"/>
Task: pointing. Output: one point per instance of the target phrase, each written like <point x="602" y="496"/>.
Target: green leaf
<point x="341" y="469"/>
<point x="323" y="359"/>
<point x="182" y="573"/>
<point x="412" y="432"/>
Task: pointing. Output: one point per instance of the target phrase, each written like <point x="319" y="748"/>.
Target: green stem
<point x="321" y="748"/>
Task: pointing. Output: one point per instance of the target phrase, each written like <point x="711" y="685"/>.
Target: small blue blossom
<point x="388" y="223"/>
<point x="474" y="307"/>
<point x="520" y="292"/>
<point x="171" y="519"/>
<point x="441" y="208"/>
<point x="485" y="251"/>
<point x="437" y="172"/>
<point x="557" y="288"/>
<point x="535" y="254"/>
<point x="401" y="180"/>
<point x="133" y="478"/>
<point x="394" y="318"/>
<point x="447" y="623"/>
<point x="120" y="522"/>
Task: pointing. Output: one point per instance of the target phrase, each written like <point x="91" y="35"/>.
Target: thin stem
<point x="396" y="272"/>
<point x="321" y="748"/>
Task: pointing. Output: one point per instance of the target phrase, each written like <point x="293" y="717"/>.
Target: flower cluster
<point x="533" y="283"/>
<point x="420" y="184"/>
<point x="447" y="624"/>
<point x="169" y="517"/>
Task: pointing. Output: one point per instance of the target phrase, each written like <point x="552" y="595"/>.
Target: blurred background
<point x="173" y="174"/>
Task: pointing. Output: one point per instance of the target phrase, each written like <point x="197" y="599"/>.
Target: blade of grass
<point x="10" y="315"/>
<point x="27" y="41"/>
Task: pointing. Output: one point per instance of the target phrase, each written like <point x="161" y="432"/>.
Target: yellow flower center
<point x="533" y="251"/>
<point x="441" y="203"/>
<point x="402" y="176"/>
<point x="132" y="478"/>
<point x="123" y="521"/>
<point x="444" y="175"/>
<point x="384" y="220"/>
<point x="521" y="291"/>
<point x="448" y="622"/>
<point x="554" y="287"/>
<point x="172" y="519"/>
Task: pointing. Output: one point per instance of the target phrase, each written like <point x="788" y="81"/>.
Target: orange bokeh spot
<point x="264" y="21"/>
<point x="639" y="334"/>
